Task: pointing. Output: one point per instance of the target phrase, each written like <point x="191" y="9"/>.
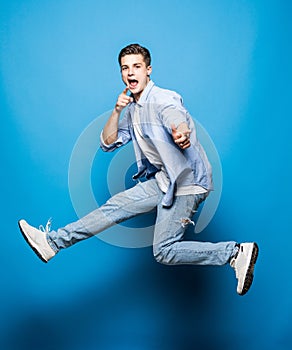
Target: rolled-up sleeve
<point x="124" y="136"/>
<point x="174" y="113"/>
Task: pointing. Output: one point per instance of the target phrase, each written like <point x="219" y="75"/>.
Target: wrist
<point x="117" y="111"/>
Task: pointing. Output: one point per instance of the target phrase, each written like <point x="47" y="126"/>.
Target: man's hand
<point x="181" y="135"/>
<point x="123" y="100"/>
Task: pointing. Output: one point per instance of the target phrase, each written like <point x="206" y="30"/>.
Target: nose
<point x="130" y="71"/>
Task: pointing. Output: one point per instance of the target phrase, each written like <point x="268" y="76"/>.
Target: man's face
<point x="135" y="74"/>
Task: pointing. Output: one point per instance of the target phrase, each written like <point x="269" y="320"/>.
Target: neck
<point x="138" y="95"/>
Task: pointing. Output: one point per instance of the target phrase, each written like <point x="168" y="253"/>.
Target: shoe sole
<point x="249" y="274"/>
<point x="30" y="244"/>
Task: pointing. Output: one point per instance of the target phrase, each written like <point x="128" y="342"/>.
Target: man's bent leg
<point x="170" y="226"/>
<point x="140" y="199"/>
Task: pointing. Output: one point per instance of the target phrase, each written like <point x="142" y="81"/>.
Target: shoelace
<point x="47" y="228"/>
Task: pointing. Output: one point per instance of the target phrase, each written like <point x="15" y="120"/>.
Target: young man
<point x="176" y="169"/>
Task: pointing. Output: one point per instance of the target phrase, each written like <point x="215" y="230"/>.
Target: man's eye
<point x="124" y="68"/>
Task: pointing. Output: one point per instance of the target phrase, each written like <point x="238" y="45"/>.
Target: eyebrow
<point x="134" y="64"/>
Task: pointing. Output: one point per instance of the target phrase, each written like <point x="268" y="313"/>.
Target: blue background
<point x="231" y="61"/>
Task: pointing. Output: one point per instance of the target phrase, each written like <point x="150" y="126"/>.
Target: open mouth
<point x="132" y="83"/>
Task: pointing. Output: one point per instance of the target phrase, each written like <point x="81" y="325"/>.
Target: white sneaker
<point x="37" y="239"/>
<point x="243" y="264"/>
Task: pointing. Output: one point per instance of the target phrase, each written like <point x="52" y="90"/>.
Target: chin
<point x="136" y="92"/>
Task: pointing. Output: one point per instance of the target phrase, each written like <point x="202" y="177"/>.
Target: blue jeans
<point x="168" y="245"/>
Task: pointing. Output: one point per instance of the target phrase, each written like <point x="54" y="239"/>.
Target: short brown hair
<point x="136" y="49"/>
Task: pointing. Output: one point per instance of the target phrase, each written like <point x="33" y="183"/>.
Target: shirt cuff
<point x="105" y="147"/>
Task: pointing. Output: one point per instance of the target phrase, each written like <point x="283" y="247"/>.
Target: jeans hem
<point x="52" y="244"/>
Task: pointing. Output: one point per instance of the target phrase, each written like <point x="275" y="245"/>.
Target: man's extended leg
<point x="140" y="199"/>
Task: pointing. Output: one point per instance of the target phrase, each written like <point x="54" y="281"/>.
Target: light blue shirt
<point x="158" y="109"/>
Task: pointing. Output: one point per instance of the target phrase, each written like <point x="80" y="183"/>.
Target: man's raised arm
<point x="110" y="130"/>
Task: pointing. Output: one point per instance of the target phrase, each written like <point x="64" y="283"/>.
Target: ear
<point x="149" y="70"/>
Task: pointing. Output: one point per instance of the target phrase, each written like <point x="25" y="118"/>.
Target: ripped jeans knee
<point x="186" y="221"/>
